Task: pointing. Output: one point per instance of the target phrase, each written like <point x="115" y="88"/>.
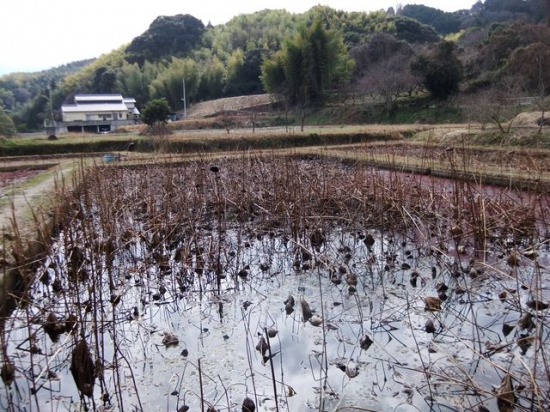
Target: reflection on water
<point x="176" y="319"/>
<point x="320" y="367"/>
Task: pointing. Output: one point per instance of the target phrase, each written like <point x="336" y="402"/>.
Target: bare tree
<point x="280" y="96"/>
<point x="475" y="107"/>
<point x="224" y="115"/>
<point x="541" y="63"/>
<point x="498" y="104"/>
<point x="389" y="78"/>
<point x="531" y="64"/>
<point x="303" y="105"/>
<point x="253" y="119"/>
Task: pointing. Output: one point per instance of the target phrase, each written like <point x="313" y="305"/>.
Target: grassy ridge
<point x="193" y="142"/>
<point x="236" y="143"/>
<point x="42" y="146"/>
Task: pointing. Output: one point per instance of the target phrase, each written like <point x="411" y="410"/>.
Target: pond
<point x="298" y="284"/>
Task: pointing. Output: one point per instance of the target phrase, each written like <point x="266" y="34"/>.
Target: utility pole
<point x="184" y="101"/>
<point x="49" y="98"/>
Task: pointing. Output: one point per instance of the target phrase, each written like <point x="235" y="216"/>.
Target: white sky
<point x="40" y="34"/>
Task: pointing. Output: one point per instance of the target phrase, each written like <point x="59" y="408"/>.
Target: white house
<point x="100" y="107"/>
<point x="94" y="113"/>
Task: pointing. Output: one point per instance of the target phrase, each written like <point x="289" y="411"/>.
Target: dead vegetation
<point x="394" y="274"/>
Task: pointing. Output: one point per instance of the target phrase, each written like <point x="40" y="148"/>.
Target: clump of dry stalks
<point x="180" y="215"/>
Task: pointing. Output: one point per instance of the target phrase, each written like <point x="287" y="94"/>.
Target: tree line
<point x="302" y="58"/>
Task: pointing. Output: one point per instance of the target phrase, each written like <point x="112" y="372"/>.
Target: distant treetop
<point x="166" y="36"/>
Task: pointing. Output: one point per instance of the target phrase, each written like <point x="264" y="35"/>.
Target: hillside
<point x="251" y="54"/>
<point x="212" y="107"/>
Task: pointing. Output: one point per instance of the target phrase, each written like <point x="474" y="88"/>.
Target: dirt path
<point x="32" y="197"/>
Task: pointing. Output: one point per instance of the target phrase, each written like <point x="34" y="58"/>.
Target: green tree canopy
<point x="133" y="81"/>
<point x="155" y="112"/>
<point x="169" y="82"/>
<point x="273" y="74"/>
<point x="212" y="79"/>
<point x="440" y="70"/>
<point x="443" y="22"/>
<point x="243" y="72"/>
<point x="309" y="64"/>
<point x="166" y="36"/>
<point x="412" y="31"/>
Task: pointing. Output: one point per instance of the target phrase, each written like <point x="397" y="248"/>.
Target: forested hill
<point x="264" y="51"/>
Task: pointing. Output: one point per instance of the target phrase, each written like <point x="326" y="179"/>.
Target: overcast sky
<point x="40" y="34"/>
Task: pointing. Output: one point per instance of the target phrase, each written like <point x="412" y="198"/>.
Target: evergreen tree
<point x="441" y="70"/>
<point x="155" y="112"/>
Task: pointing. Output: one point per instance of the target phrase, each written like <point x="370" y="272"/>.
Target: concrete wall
<point x="95" y="126"/>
